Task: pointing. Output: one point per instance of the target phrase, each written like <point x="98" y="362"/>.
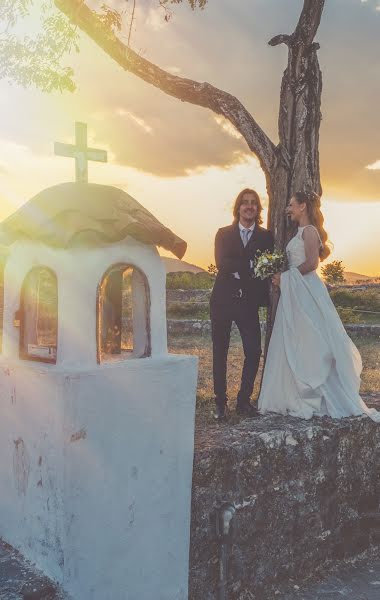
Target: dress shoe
<point x="220" y="413"/>
<point x="247" y="409"/>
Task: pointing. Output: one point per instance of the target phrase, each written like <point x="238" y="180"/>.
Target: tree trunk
<point x="297" y="165"/>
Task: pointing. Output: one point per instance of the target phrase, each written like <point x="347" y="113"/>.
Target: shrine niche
<point x="123" y="327"/>
<point x="38" y="316"/>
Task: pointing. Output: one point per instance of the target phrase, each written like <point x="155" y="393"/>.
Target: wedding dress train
<point x="312" y="367"/>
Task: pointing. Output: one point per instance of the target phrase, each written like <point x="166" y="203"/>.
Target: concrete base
<point x="96" y="474"/>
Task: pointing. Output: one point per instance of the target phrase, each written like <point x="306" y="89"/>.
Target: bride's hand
<point x="276" y="279"/>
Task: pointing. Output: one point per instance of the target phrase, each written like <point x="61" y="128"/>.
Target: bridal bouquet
<point x="268" y="263"/>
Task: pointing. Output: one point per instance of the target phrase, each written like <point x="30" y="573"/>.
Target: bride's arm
<point x="312" y="245"/>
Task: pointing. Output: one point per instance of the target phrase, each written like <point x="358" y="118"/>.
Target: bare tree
<point x="290" y="165"/>
<point x="293" y="163"/>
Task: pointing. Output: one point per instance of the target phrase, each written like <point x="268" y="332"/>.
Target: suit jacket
<point x="231" y="256"/>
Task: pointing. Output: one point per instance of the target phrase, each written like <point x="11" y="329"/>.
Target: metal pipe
<point x="224" y="529"/>
<point x="222" y="583"/>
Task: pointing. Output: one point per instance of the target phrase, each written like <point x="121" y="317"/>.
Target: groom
<point x="236" y="296"/>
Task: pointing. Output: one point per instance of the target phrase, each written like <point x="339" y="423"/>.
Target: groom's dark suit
<point x="237" y="300"/>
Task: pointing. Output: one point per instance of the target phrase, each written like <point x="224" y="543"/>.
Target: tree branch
<point x="280" y="39"/>
<point x="131" y="23"/>
<point x="307" y="25"/>
<point x="187" y="90"/>
<point x="309" y="21"/>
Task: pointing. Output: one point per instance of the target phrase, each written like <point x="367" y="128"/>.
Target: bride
<point x="312" y="367"/>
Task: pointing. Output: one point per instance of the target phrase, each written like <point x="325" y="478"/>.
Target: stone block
<point x="301" y="489"/>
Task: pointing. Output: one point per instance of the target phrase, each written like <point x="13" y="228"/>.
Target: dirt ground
<point x="200" y="345"/>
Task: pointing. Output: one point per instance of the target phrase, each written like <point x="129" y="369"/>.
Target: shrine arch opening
<point x="38" y="315"/>
<point x="123" y="314"/>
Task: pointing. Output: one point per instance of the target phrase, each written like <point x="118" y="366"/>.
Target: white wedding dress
<point x="312" y="367"/>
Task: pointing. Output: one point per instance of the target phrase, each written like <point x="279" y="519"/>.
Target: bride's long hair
<point x="313" y="207"/>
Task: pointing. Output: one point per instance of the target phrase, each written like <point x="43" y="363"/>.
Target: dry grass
<point x="200" y="345"/>
<point x="369" y="347"/>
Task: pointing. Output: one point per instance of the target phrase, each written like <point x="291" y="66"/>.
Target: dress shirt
<point x="250" y="230"/>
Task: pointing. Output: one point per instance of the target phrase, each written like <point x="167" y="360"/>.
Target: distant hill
<point x="173" y="265"/>
<point x="354" y="277"/>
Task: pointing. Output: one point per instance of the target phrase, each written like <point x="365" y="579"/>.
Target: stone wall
<point x="186" y="326"/>
<point x="187" y="295"/>
<point x="305" y="493"/>
<point x="199" y="298"/>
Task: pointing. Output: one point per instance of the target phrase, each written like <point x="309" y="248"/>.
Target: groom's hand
<point x="276" y="279"/>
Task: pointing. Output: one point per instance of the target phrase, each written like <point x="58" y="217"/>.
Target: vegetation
<point x="333" y="272"/>
<point x="185" y="280"/>
<point x="38" y="60"/>
<point x="353" y="306"/>
<point x="358" y="299"/>
<point x="188" y="310"/>
<point x="347" y="315"/>
<point x="357" y="306"/>
<point x="213" y="269"/>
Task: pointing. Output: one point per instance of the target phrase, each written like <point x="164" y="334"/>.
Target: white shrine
<point x="96" y="418"/>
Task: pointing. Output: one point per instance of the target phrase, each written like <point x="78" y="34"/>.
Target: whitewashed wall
<point x="79" y="272"/>
<point x="96" y="465"/>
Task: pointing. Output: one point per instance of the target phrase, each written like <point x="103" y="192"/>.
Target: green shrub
<point x="204" y="281"/>
<point x="347" y="315"/>
<point x="333" y="272"/>
<point x="187" y="310"/>
<point x="185" y="280"/>
<point x="263" y="313"/>
<point x="360" y="299"/>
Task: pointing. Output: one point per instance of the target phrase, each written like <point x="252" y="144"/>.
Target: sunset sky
<point x="182" y="162"/>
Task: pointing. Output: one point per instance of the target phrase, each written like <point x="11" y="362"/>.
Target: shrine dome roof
<point x="86" y="215"/>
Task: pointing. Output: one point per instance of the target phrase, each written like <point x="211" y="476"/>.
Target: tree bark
<point x="298" y="126"/>
<point x="291" y="165"/>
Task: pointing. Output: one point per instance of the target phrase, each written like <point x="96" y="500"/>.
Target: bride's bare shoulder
<point x="310" y="233"/>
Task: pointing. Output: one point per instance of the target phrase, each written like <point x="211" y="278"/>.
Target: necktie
<point x="245" y="234"/>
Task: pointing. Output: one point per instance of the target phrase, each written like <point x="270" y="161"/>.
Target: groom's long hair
<point x="238" y="203"/>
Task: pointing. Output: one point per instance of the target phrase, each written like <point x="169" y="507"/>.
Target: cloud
<point x="173" y="70"/>
<point x="14" y="153"/>
<point x="374" y="166"/>
<point x="227" y="127"/>
<point x="186" y="138"/>
<point x="155" y="20"/>
<point x="148" y="130"/>
<point x="373" y="4"/>
<point x="138" y="120"/>
<point x="169" y="147"/>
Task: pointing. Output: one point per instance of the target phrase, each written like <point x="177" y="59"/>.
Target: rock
<point x="314" y="498"/>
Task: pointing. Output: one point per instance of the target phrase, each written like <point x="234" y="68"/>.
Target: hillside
<point x="351" y="277"/>
<point x="173" y="265"/>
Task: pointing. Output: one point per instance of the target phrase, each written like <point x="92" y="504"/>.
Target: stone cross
<point x="80" y="152"/>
